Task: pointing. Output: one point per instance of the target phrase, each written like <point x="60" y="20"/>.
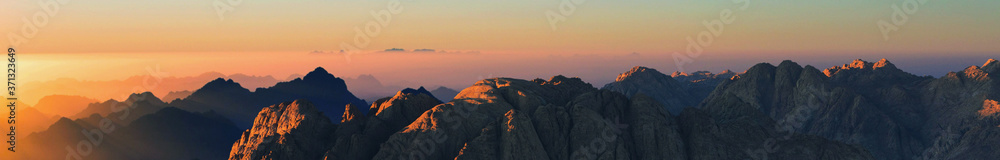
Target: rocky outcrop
<point x="290" y="130"/>
<point x="657" y="85"/>
<point x="360" y="136"/>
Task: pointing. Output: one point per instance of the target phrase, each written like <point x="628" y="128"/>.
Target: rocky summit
<point x="291" y="130"/>
<point x="657" y="85"/>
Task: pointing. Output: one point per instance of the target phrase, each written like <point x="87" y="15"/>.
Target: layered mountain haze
<point x="63" y="105"/>
<point x="155" y="82"/>
<point x="169" y="133"/>
<point x="139" y="104"/>
<point x="176" y="95"/>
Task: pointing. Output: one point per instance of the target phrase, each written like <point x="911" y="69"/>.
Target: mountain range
<point x="859" y="110"/>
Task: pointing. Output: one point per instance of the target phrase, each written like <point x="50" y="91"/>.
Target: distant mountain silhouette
<point x="63" y="105"/>
<point x="119" y="89"/>
<point x="369" y="88"/>
<point x="139" y="104"/>
<point x="230" y="99"/>
<point x="174" y="95"/>
<point x="444" y="94"/>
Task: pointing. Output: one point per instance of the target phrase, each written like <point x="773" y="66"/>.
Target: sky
<point x="112" y="39"/>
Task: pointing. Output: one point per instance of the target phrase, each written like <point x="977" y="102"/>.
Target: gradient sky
<point x="514" y="25"/>
<point x="94" y="39"/>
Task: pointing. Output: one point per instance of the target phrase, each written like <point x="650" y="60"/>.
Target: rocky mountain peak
<point x="420" y="90"/>
<point x="678" y="74"/>
<point x="639" y="72"/>
<point x="319" y="74"/>
<point x="991" y="66"/>
<point x="290" y="130"/>
<point x="884" y="63"/>
<point x="861" y="72"/>
<point x="144" y="96"/>
<point x="351" y="113"/>
<point x="975" y="73"/>
<point x="859" y="64"/>
<point x="290" y="115"/>
<point x="220" y="83"/>
<point x="790" y="63"/>
<point x="668" y="91"/>
<point x="726" y="72"/>
<point x="561" y="80"/>
<point x="760" y="69"/>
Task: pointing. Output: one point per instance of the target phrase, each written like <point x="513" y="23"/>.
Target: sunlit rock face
<point x="290" y="130"/>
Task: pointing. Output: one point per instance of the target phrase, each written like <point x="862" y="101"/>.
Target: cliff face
<point x="291" y="130"/>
